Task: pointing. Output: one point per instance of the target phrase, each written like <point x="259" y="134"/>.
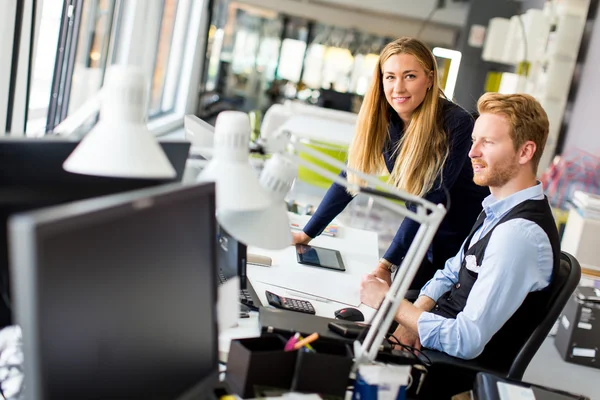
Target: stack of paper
<point x="587" y="204"/>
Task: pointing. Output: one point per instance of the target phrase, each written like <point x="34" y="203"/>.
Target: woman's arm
<point x="334" y="202"/>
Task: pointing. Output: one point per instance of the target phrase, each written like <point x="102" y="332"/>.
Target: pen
<point x="308" y="346"/>
<point x="289" y="346"/>
<point x="306" y="341"/>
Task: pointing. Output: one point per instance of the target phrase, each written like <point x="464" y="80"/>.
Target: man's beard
<point x="498" y="176"/>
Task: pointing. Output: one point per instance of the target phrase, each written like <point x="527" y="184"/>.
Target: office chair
<point x="570" y="273"/>
<point x="464" y="371"/>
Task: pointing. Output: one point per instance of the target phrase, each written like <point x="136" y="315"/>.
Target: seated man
<point x="485" y="302"/>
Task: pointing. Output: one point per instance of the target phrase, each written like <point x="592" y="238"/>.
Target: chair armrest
<point x="467" y="366"/>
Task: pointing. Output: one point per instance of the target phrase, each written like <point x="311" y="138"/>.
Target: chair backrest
<point x="568" y="277"/>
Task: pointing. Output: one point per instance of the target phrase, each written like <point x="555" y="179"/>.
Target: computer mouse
<point x="349" y="314"/>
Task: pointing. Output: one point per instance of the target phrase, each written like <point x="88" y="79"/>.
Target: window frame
<point x="134" y="29"/>
<point x="20" y="22"/>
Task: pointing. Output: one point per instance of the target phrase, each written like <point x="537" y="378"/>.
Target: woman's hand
<point x="372" y="290"/>
<point x="300" y="238"/>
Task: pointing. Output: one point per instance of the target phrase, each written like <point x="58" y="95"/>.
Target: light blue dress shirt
<point x="518" y="260"/>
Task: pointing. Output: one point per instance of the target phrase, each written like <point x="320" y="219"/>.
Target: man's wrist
<point x="388" y="266"/>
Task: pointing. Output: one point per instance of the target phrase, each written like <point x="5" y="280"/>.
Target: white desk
<point x="360" y="253"/>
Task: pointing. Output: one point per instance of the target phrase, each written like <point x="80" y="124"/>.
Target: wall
<point x="584" y="122"/>
<point x="473" y="70"/>
<point x="453" y="14"/>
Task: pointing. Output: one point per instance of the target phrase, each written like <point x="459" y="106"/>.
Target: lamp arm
<point x="381" y="197"/>
<point x="429" y="216"/>
<point x="372" y="181"/>
<point x="367" y="352"/>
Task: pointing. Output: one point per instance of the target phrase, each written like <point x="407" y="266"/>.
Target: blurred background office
<point x="206" y="56"/>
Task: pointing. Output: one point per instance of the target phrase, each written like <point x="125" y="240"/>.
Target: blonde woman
<point x="407" y="126"/>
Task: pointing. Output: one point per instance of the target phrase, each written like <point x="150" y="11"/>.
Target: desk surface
<point x="360" y="252"/>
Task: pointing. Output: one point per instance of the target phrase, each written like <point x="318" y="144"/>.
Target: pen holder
<point x="325" y="371"/>
<point x="259" y="363"/>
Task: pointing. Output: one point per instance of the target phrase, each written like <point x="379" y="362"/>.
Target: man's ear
<point x="527" y="152"/>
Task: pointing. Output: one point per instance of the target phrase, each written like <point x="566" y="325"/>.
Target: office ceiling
<point x="387" y="18"/>
<point x="453" y="13"/>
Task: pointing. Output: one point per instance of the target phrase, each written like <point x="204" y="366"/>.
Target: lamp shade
<point x="120" y="145"/>
<point x="267" y="229"/>
<point x="237" y="186"/>
<point x="270" y="228"/>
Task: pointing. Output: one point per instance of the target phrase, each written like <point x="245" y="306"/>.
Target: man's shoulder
<point x="518" y="232"/>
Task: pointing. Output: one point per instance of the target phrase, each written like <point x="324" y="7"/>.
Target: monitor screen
<point x="116" y="296"/>
<point x="336" y="100"/>
<point x="32" y="176"/>
<point x="231" y="257"/>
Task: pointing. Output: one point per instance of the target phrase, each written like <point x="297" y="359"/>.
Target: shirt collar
<point x="497" y="208"/>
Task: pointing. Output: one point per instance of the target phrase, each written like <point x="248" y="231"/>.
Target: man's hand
<point x="407" y="337"/>
<point x="383" y="273"/>
<point x="300" y="238"/>
<point x="372" y="290"/>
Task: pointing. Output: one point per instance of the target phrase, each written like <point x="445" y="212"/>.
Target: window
<point x="71" y="54"/>
<point x="293" y="49"/>
<point x="92" y="55"/>
<point x="172" y="40"/>
<point x="169" y="56"/>
<point x="42" y="73"/>
<point x="73" y="50"/>
<point x="80" y="39"/>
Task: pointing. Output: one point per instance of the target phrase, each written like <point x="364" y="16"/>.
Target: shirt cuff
<point x="433" y="291"/>
<point x="428" y="326"/>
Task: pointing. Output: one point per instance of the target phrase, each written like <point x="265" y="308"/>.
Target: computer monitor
<point x="32" y="176"/>
<point x="231" y="257"/>
<point x="336" y="100"/>
<point x="116" y="296"/>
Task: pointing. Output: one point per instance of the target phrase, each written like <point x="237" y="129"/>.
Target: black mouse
<point x="349" y="314"/>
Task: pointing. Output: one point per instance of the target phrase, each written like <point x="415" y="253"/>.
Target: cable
<point x="425" y="22"/>
<point x="439" y="5"/>
<point x="413" y="350"/>
<point x="397" y="342"/>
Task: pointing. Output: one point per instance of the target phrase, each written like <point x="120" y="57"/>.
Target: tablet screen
<point x="319" y="257"/>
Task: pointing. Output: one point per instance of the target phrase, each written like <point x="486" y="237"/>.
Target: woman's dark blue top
<point x="457" y="173"/>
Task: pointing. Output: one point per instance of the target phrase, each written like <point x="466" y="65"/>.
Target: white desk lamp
<point x="120" y="144"/>
<point x="429" y="215"/>
<point x="236" y="181"/>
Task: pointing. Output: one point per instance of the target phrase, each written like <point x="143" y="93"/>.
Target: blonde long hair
<point x="424" y="146"/>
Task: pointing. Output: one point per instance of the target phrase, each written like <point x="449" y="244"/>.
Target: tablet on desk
<point x="319" y="257"/>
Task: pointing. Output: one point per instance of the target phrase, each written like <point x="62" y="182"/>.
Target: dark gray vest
<point x="506" y="343"/>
